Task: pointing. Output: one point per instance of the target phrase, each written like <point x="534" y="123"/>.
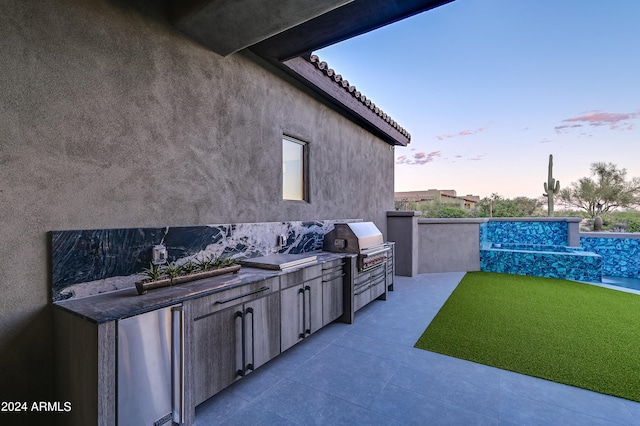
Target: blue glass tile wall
<point x="621" y="256"/>
<point x="549" y="233"/>
<point x="572" y="266"/>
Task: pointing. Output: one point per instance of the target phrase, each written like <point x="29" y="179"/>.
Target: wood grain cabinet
<point x="300" y="305"/>
<point x="332" y="290"/>
<point x="234" y="332"/>
<point x="227" y="335"/>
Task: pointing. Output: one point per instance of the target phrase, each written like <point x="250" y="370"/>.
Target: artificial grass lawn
<point x="564" y="331"/>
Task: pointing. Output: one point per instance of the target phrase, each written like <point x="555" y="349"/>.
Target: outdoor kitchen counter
<point x="120" y="304"/>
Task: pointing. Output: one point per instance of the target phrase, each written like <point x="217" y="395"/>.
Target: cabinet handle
<point x="379" y="275"/>
<point x="260" y="290"/>
<point x="363" y="290"/>
<point x="239" y="314"/>
<point x="304" y="315"/>
<point x="177" y="363"/>
<point x="253" y="340"/>
<point x="333" y="278"/>
<point x="308" y="330"/>
<point x="380" y="280"/>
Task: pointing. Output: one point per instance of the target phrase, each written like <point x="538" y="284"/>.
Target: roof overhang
<point x="281" y="34"/>
<point x="283" y="29"/>
<point x="227" y="26"/>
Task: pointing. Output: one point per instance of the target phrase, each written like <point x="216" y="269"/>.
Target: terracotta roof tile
<point x="338" y="79"/>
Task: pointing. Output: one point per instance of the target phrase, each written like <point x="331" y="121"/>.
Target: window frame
<point x="305" y="168"/>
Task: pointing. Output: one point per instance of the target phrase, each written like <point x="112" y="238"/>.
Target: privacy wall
<point x="110" y="118"/>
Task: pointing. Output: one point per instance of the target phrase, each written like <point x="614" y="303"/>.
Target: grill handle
<point x="373" y="253"/>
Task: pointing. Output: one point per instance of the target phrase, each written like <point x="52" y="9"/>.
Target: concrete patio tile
<point x="567" y="397"/>
<point x="255" y="383"/>
<point x="350" y="385"/>
<point x="401" y="334"/>
<point x="374" y="346"/>
<point x="455" y="369"/>
<point x="634" y="409"/>
<point x="416" y="409"/>
<point x="450" y="389"/>
<point x="524" y="411"/>
<point x="216" y="410"/>
<point x="304" y="405"/>
<point x="294" y="357"/>
<point x="253" y="415"/>
<point x="345" y="360"/>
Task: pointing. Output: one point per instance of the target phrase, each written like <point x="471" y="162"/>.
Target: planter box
<point x="144" y="286"/>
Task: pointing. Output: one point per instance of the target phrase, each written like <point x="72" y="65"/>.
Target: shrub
<point x="451" y="212"/>
<point x="633" y="225"/>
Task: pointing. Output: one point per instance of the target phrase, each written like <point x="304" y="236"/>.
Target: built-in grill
<point x="361" y="238"/>
<point x="370" y="270"/>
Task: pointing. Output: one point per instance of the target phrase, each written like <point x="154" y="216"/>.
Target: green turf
<point x="568" y="332"/>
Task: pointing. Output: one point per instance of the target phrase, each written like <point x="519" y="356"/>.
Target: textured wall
<point x="525" y="231"/>
<point x="620" y="252"/>
<point x="111" y="119"/>
<point x="449" y="245"/>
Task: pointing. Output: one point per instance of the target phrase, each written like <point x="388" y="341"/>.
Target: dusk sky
<point x="489" y="88"/>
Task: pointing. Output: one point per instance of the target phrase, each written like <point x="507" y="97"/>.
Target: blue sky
<point x="489" y="88"/>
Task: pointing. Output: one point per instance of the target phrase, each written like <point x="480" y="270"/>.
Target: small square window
<point x="294" y="165"/>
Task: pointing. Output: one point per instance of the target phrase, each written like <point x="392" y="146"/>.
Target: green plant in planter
<point x="223" y="262"/>
<point x="153" y="272"/>
<point x="226" y="262"/>
<point x="206" y="263"/>
<point x="188" y="268"/>
<point x="172" y="270"/>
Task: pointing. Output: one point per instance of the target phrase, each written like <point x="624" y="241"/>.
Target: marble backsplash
<point x="88" y="262"/>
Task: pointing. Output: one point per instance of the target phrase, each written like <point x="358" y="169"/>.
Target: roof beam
<point x="352" y="19"/>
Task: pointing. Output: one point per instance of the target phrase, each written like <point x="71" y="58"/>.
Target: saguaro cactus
<point x="551" y="187"/>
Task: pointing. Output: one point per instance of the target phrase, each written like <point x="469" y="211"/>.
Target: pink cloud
<point x="461" y="133"/>
<point x="598" y="119"/>
<point x="419" y="158"/>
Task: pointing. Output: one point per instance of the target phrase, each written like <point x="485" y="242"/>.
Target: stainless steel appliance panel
<point x="150" y="368"/>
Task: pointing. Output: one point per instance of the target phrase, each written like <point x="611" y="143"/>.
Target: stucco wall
<point x="449" y="245"/>
<point x="109" y="118"/>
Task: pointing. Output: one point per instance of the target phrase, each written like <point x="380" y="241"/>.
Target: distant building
<point x="442" y="196"/>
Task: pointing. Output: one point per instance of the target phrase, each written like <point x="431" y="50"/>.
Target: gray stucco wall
<point x="449" y="245"/>
<point x="109" y="118"/>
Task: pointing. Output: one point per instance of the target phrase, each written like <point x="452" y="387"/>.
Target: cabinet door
<point x="361" y="296"/>
<point x="292" y="328"/>
<point x="301" y="312"/>
<point x="218" y="352"/>
<point x="332" y="300"/>
<point x="378" y="285"/>
<point x="262" y="331"/>
<point x="333" y="276"/>
<point x="313" y="309"/>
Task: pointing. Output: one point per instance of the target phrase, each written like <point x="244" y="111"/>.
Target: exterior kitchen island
<point x="228" y="326"/>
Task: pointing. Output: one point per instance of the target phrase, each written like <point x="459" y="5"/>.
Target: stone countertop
<point x="120" y="304"/>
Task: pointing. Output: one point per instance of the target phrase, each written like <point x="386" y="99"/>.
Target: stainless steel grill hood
<point x="353" y="237"/>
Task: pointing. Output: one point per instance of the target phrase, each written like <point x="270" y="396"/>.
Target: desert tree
<point x="606" y="189"/>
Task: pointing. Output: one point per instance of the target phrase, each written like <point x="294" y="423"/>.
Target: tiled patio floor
<point x="368" y="373"/>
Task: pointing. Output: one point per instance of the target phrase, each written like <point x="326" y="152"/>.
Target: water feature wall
<point x="537" y="248"/>
<point x="541" y="261"/>
<point x="620" y="252"/>
<point x="87" y="262"/>
<point x="531" y="231"/>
